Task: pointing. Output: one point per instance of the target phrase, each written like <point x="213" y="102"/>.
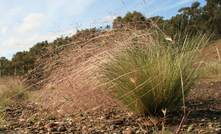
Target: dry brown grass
<point x="73" y="82"/>
<point x="71" y="78"/>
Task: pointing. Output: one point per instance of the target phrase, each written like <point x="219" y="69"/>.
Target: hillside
<point x="74" y="73"/>
<point x="211" y="51"/>
<point x="72" y="76"/>
<point x="71" y="90"/>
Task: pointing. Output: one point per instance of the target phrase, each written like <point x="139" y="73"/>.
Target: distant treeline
<point x="190" y="20"/>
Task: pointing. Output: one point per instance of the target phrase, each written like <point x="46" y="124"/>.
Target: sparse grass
<point x="212" y="70"/>
<point x="150" y="76"/>
<point x="11" y="90"/>
<point x="217" y="41"/>
<point x="2" y="121"/>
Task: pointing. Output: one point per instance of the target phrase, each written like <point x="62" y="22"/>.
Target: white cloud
<point x="110" y="18"/>
<point x="78" y="6"/>
<point x="4" y="30"/>
<point x="25" y="44"/>
<point x="71" y="32"/>
<point x="11" y="43"/>
<point x="30" y="23"/>
<point x="177" y="4"/>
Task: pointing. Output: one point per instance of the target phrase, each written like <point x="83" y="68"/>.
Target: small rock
<point x="115" y="121"/>
<point x="22" y="120"/>
<point x="21" y="131"/>
<point x="83" y="118"/>
<point x="84" y="127"/>
<point x="61" y="129"/>
<point x="128" y="131"/>
<point x="41" y="132"/>
<point x="112" y="127"/>
<point x="197" y="130"/>
<point x="148" y="123"/>
<point x="50" y="125"/>
<point x="40" y="123"/>
<point x="203" y="120"/>
<point x="71" y="129"/>
<point x="201" y="124"/>
<point x="105" y="110"/>
<point x="139" y="119"/>
<point x="14" y="123"/>
<point x="200" y="131"/>
<point x="52" y="129"/>
<point x="210" y="125"/>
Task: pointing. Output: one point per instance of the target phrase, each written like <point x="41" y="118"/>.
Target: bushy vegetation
<point x="152" y="76"/>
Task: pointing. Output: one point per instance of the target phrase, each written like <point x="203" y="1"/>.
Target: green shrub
<point x="151" y="76"/>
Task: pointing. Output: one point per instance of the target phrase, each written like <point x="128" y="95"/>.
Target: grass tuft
<point x="12" y="90"/>
<point x="150" y="76"/>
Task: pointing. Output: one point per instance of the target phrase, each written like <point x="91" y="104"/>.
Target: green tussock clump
<point x="152" y="76"/>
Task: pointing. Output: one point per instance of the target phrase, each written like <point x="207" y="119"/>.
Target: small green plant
<point x="12" y="90"/>
<point x="150" y="76"/>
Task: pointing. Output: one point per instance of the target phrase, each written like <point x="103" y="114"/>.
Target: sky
<point x="23" y="23"/>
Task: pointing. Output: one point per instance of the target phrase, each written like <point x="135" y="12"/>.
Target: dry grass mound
<point x="70" y="79"/>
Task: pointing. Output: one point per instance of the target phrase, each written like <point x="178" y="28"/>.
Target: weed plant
<point x="151" y="76"/>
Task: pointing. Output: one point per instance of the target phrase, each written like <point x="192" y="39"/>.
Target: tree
<point x="117" y="23"/>
<point x="212" y="16"/>
<point x="193" y="16"/>
<point x="107" y="27"/>
<point x="37" y="48"/>
<point x="192" y="12"/>
<point x="131" y="20"/>
<point x="22" y="62"/>
<point x="6" y="67"/>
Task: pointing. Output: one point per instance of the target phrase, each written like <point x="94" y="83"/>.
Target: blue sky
<point x="23" y="23"/>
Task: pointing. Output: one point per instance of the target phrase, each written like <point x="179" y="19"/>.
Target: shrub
<point x="151" y="76"/>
